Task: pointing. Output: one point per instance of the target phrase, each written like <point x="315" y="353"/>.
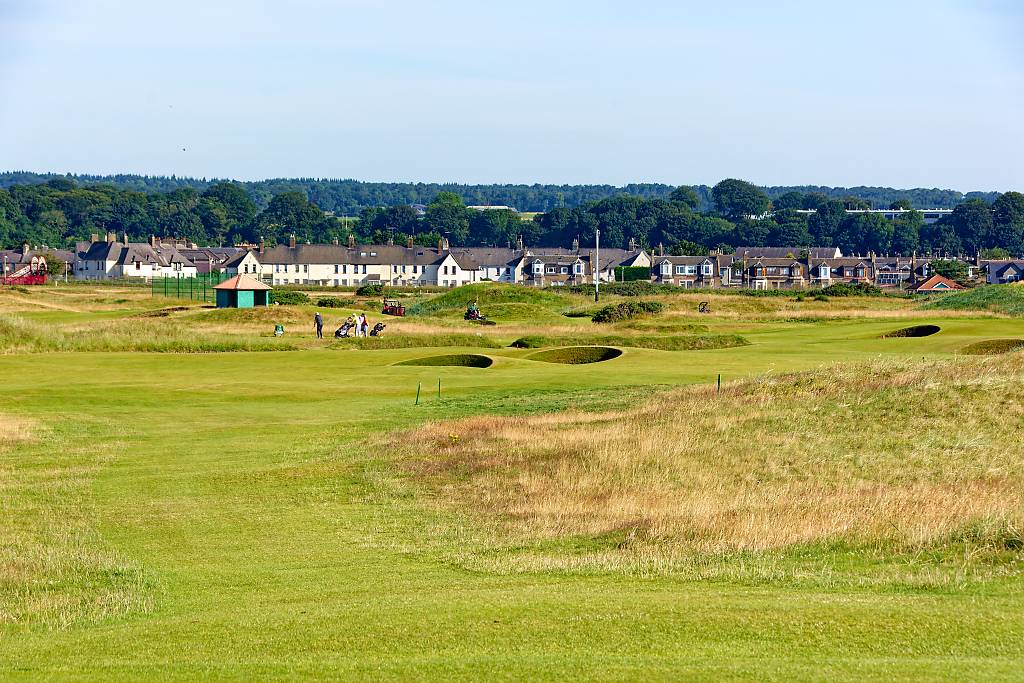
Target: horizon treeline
<point x="61" y="211"/>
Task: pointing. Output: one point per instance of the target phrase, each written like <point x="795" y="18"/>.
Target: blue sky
<point x="876" y="93"/>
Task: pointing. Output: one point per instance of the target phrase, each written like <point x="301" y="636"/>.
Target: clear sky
<point x="900" y="93"/>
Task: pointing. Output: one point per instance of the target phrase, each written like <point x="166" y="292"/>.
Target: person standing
<point x="319" y="320"/>
<point x="366" y="325"/>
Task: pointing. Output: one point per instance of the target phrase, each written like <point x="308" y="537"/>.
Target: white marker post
<point x="597" y="266"/>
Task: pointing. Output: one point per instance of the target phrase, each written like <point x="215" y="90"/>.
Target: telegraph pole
<point x="597" y="266"/>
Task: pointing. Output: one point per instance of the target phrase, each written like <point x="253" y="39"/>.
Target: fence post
<point x="719" y="382"/>
<point x="418" y="385"/>
<point x="439" y="387"/>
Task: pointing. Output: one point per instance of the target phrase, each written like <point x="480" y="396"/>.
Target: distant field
<point x="185" y="496"/>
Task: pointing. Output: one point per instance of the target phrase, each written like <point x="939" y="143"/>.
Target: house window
<point x="305" y="268"/>
<point x="706" y="269"/>
<point x="137" y="265"/>
<point x="337" y="268"/>
<point x="564" y="270"/>
<point x="823" y="271"/>
<point x="667" y="270"/>
<point x="551" y="270"/>
<point x="364" y="270"/>
<point x="538" y="268"/>
<point x="578" y="269"/>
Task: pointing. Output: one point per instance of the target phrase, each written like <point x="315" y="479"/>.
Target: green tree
<point x="790" y="200"/>
<point x="738" y="199"/>
<point x="825" y="223"/>
<point x="972" y="222"/>
<point x="951" y="268"/>
<point x="239" y="208"/>
<point x="447" y="214"/>
<point x="1008" y="222"/>
<point x="790" y="230"/>
<point x="902" y="203"/>
<point x="906" y="232"/>
<point x="685" y="196"/>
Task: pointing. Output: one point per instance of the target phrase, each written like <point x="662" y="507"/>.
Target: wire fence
<point x="197" y="288"/>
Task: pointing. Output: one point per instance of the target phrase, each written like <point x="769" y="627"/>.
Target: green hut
<point x="242" y="291"/>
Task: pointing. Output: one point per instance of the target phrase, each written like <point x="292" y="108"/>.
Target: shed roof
<point x="244" y="283"/>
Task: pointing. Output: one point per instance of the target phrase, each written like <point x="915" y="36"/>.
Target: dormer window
<point x="824" y="271"/>
<point x="666" y="268"/>
<point x="538" y="268"/>
<point x="706" y="269"/>
<point x="578" y="268"/>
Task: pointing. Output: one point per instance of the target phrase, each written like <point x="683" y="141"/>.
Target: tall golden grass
<point x="904" y="454"/>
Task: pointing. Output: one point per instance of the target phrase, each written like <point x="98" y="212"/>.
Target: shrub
<point x="852" y="289"/>
<point x="370" y="290"/>
<point x="290" y="298"/>
<point x="330" y="302"/>
<point x="626" y="311"/>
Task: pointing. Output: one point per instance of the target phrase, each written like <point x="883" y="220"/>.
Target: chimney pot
<point x="410" y="243"/>
<point x="351" y="241"/>
<point x="291" y="241"/>
<point x="95" y="237"/>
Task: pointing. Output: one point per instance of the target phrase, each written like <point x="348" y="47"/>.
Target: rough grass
<point x="1006" y="299"/>
<point x="992" y="347"/>
<point x="680" y="342"/>
<point x="759" y="468"/>
<point x="462" y="360"/>
<point x="18" y="335"/>
<point x="411" y="341"/>
<point x="576" y="355"/>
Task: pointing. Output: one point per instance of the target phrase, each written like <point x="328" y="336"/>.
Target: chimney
<point x="125" y="237"/>
<point x="263" y="244"/>
<point x="351" y="241"/>
<point x="95" y="237"/>
<point x="25" y="248"/>
<point x="391" y="241"/>
<point x="632" y="244"/>
<point x="409" y="243"/>
<point x="576" y="244"/>
<point x="334" y="241"/>
<point x="442" y="244"/>
<point x="661" y="249"/>
<point x="111" y="237"/>
<point x="291" y="241"/>
<point x="152" y="240"/>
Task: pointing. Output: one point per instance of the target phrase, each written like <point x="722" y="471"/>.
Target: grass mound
<point x="460" y="360"/>
<point x="649" y="488"/>
<point x="679" y="342"/>
<point x="913" y="331"/>
<point x="1007" y="299"/>
<point x="576" y="355"/>
<point x="993" y="347"/>
<point x="509" y="312"/>
<point x="486" y="294"/>
<point x="412" y="341"/>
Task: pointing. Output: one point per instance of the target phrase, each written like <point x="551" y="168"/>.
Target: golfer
<point x="319" y="320"/>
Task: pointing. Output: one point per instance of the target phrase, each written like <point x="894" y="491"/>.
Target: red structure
<point x="33" y="273"/>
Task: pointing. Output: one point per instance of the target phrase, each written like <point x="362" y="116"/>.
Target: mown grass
<point x="696" y="479"/>
<point x="692" y="342"/>
<point x="1005" y="299"/>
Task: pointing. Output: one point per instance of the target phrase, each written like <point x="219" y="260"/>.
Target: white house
<point x="112" y="260"/>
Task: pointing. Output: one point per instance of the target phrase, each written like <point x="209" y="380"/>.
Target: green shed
<point x="242" y="291"/>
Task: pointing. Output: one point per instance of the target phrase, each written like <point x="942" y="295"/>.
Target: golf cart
<point x="473" y="312"/>
<point x="393" y="307"/>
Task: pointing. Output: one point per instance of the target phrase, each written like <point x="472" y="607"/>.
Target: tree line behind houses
<point x="59" y="212"/>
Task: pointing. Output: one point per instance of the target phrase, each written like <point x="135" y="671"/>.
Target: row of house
<point x="353" y="264"/>
<point x="778" y="268"/>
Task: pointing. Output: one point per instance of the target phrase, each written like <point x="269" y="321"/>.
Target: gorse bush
<point x="852" y="289"/>
<point x="330" y="302"/>
<point x="370" y="290"/>
<point x="290" y="298"/>
<point x="626" y="311"/>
